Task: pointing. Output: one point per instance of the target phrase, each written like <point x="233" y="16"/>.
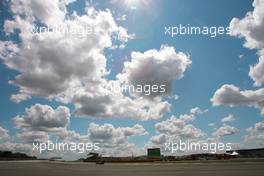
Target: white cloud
<point x="259" y="126"/>
<point x="255" y="134"/>
<point x="174" y="129"/>
<point x="38" y="116"/>
<point x="43" y="118"/>
<point x="32" y="136"/>
<point x="211" y="124"/>
<point x="159" y="139"/>
<point x="114" y="140"/>
<point x="135" y="130"/>
<point x="225" y="130"/>
<point x="69" y="1"/>
<point x="72" y="69"/>
<point x="48" y="12"/>
<point x="121" y="17"/>
<point x="230" y="95"/>
<point x="251" y="27"/>
<point x="197" y="110"/>
<point x="172" y="125"/>
<point x="257" y="71"/>
<point x="131" y="3"/>
<point x="17" y="98"/>
<point x="241" y="56"/>
<point x="3" y="133"/>
<point x="42" y="123"/>
<point x="178" y="128"/>
<point x="107" y="133"/>
<point x="229" y="118"/>
<point x="53" y="65"/>
<point x="106" y="103"/>
<point x="154" y="67"/>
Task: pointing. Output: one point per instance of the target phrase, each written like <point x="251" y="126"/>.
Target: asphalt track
<point x="45" y="168"/>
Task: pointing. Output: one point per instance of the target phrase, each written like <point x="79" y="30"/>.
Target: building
<point x="250" y="153"/>
<point x="154" y="153"/>
<point x="92" y="157"/>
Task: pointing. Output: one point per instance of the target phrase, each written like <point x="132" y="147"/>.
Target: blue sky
<point x="215" y="62"/>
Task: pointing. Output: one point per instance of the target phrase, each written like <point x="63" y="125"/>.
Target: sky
<point x="53" y="85"/>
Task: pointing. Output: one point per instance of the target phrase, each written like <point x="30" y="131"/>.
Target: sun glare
<point x="133" y="4"/>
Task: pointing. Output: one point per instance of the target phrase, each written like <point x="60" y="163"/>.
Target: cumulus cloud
<point x="17" y="98"/>
<point x="225" y="130"/>
<point x="229" y="118"/>
<point x="108" y="133"/>
<point x="175" y="128"/>
<point x="114" y="140"/>
<point x="53" y="64"/>
<point x="230" y="95"/>
<point x="3" y="133"/>
<point x="251" y="27"/>
<point x="43" y="118"/>
<point x="257" y="71"/>
<point x="255" y="134"/>
<point x="32" y="136"/>
<point x="48" y="12"/>
<point x="108" y="103"/>
<point x="155" y="67"/>
<point x="159" y="139"/>
<point x="112" y="103"/>
<point x="187" y="131"/>
<point x="39" y="122"/>
<point x="72" y="69"/>
<point x="178" y="128"/>
<point x="181" y="128"/>
<point x="197" y="110"/>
